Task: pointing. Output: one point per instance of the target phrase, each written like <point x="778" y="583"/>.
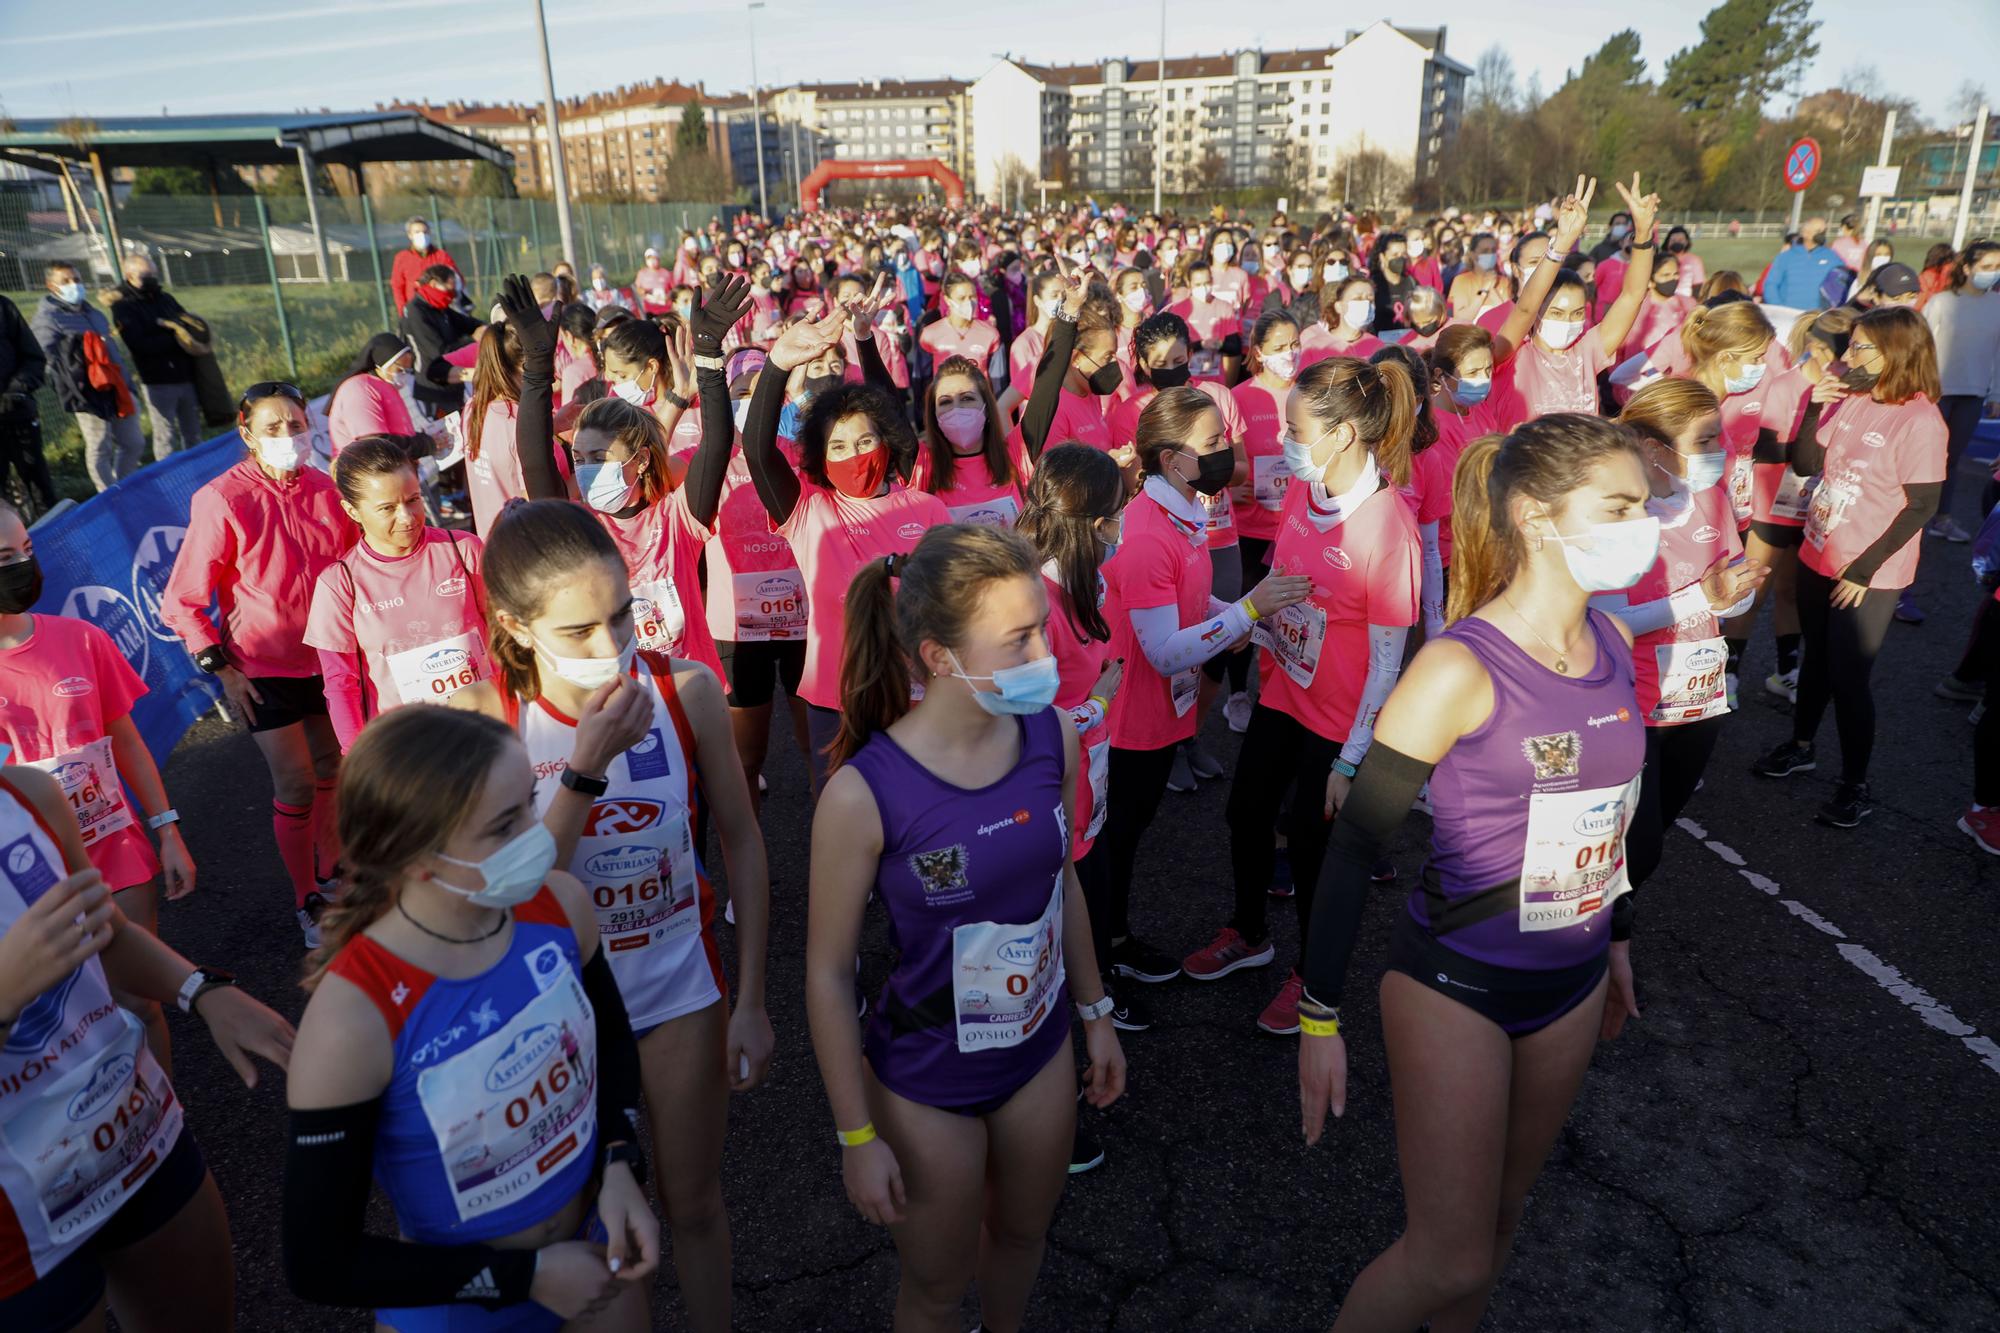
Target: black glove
<point x="524" y="313"/>
<point x="716" y="316"/>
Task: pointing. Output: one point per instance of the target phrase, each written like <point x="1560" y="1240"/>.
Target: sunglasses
<point x="257" y="393"/>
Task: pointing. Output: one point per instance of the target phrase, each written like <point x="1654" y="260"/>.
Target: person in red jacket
<point x="423" y="252"/>
<point x="257" y="538"/>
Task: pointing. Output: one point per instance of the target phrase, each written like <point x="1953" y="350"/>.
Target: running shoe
<point x="1784" y="684"/>
<point x="309" y="915"/>
<point x="1789" y="758"/>
<point x="1203" y="764"/>
<point x="1227" y="952"/>
<point x="1180" y="777"/>
<point x="1423" y="802"/>
<point x="329" y="887"/>
<point x="1849" y="806"/>
<point x="1947" y="528"/>
<point x="1983" y="827"/>
<point x="1907" y="609"/>
<point x="1236" y="712"/>
<point x="1729" y="683"/>
<point x="1281" y="1016"/>
<point x="1085" y="1153"/>
<point x="763" y="785"/>
<point x="1133" y="957"/>
<point x="1965" y="691"/>
<point x="1128" y="1014"/>
<point x="1281" y="875"/>
<point x="1382" y="872"/>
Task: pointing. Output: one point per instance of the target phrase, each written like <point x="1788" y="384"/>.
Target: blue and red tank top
<point x="973" y="882"/>
<point x="489" y="1122"/>
<point x="1528" y="840"/>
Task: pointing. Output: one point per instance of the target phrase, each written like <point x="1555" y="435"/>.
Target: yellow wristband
<point x="854" y="1138"/>
<point x="1319" y="1027"/>
<point x="1250" y="609"/>
<point x="1100" y="701"/>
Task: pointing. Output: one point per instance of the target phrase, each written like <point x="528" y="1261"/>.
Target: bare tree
<point x="1965" y="103"/>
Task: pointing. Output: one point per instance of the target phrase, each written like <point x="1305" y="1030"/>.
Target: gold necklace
<point x="1562" y="654"/>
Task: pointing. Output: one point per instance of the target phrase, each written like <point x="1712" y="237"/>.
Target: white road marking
<point x="1866" y="961"/>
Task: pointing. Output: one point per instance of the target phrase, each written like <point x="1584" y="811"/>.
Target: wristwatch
<point x="577" y="782"/>
<point x="199" y="982"/>
<point x="670" y="396"/>
<point x="211" y="659"/>
<point x="164" y="818"/>
<point x="1090" y="1013"/>
<point x="709" y="363"/>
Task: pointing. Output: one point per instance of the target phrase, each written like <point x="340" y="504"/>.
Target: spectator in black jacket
<point x="434" y="327"/>
<point x="64" y="324"/>
<point x="143" y="312"/>
<point x="22" y="367"/>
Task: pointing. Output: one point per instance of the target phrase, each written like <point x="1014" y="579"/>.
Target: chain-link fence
<point x="252" y="267"/>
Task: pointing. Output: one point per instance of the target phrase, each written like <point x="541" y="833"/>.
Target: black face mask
<point x="1105" y="379"/>
<point x="1427" y="330"/>
<point x="149" y="285"/>
<point x="1166" y="377"/>
<point x="815" y="385"/>
<point x="1857" y="379"/>
<point x="1215" y="471"/>
<point x="20" y="586"/>
<point x="1676" y="247"/>
<point x="1666" y="286"/>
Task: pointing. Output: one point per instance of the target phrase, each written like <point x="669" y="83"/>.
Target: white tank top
<point x="86" y="1113"/>
<point x="636" y="855"/>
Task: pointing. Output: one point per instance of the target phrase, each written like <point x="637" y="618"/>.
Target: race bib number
<point x="770" y="605"/>
<point x="518" y="1106"/>
<point x="1573" y="865"/>
<point x="89" y="781"/>
<point x="998" y="512"/>
<point x="1793" y="500"/>
<point x="1269" y="476"/>
<point x="1691" y="680"/>
<point x="436" y="671"/>
<point x="1742" y="488"/>
<point x="1294" y="638"/>
<point x="657" y="614"/>
<point x="1182" y="687"/>
<point x="1006" y="980"/>
<point x="92" y="1139"/>
<point x="1221" y="515"/>
<point x="645" y="889"/>
<point x="1100" y="786"/>
<point x="1204" y="363"/>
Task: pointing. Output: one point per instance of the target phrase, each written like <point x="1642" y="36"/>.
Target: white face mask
<point x="513" y="872"/>
<point x="421" y="240"/>
<point x="1612" y="555"/>
<point x="1877" y="262"/>
<point x="961" y="309"/>
<point x="1417" y="246"/>
<point x="1561" y="333"/>
<point x="1135" y="300"/>
<point x="1285" y="365"/>
<point x="589" y="673"/>
<point x="1224" y="253"/>
<point x="1358" y="314"/>
<point x="70" y="292"/>
<point x="283" y="453"/>
<point x="605" y="487"/>
<point x="1301" y="276"/>
<point x="1048" y="305"/>
<point x="632" y="392"/>
<point x="598" y="283"/>
<point x="1198" y="293"/>
<point x="1335" y="272"/>
<point x="1746" y="379"/>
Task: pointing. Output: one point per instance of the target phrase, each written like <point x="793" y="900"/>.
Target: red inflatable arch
<point x="834" y="169"/>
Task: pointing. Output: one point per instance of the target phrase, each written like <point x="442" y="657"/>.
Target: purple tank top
<point x="1528" y="842"/>
<point x="973" y="882"/>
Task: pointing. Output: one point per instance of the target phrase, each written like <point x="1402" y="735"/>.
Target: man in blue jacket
<point x="111" y="442"/>
<point x="1796" y="274"/>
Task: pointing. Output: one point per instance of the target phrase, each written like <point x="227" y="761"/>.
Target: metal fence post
<point x="493" y="236"/>
<point x="535" y="230"/>
<point x="375" y="257"/>
<point x="277" y="296"/>
<point x="589" y="240"/>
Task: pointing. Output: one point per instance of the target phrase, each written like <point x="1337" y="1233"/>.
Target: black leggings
<point x="1093" y="876"/>
<point x="1137" y="782"/>
<point x="1675" y="758"/>
<point x="1279" y="755"/>
<point x="1840" y="646"/>
<point x="1984" y="656"/>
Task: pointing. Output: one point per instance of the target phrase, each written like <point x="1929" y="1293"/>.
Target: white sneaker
<point x="308" y="918"/>
<point x="1236" y="712"/>
<point x="729" y="911"/>
<point x="1784" y="684"/>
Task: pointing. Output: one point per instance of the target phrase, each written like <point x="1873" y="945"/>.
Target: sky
<point x="135" y="57"/>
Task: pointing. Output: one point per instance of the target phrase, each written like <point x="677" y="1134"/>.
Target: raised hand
<point x="716" y="316"/>
<point x="865" y="310"/>
<point x="680" y="362"/>
<point x="536" y="331"/>
<point x="806" y="339"/>
<point x="1644" y="208"/>
<point x="1573" y="212"/>
<point x="1076" y="283"/>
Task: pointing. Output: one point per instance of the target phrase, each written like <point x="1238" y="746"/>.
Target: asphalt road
<point x="1797" y="1134"/>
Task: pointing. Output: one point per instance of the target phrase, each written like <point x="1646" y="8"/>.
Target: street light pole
<point x="756" y="114"/>
<point x="1160" y="114"/>
<point x="558" y="175"/>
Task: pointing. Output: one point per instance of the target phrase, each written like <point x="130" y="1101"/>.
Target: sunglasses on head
<point x="257" y="393"/>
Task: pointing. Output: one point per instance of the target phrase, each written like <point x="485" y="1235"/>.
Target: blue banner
<point x="107" y="561"/>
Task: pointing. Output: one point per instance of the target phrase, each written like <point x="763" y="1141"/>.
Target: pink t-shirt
<point x="1610" y="277"/>
<point x="1778" y="494"/>
<point x="1657" y="321"/>
<point x="1319" y="343"/>
<point x="1493" y="316"/>
<point x="1217" y="317"/>
<point x="574" y="374"/>
<point x="1703" y="534"/>
<point x="59" y="694"/>
<point x="1124" y="424"/>
<point x="1079" y="662"/>
<point x="1873" y="450"/>
<point x="755" y="591"/>
<point x="833" y="535"/>
<point x="1367" y="570"/>
<point x="1771" y="405"/>
<point x="975" y="342"/>
<point x="366" y="405"/>
<point x="1232" y="285"/>
<point x="1078" y="420"/>
<point x="1023" y="357"/>
<point x="399" y="630"/>
<point x="1263" y="414"/>
<point x="1565" y="381"/>
<point x="1160" y="561"/>
<point x="1432" y="471"/>
<point x="974" y="496"/>
<point x="494" y="478"/>
<point x="662" y="548"/>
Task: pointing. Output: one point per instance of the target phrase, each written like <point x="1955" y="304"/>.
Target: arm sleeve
<point x="1920" y="503"/>
<point x="535" y="429"/>
<point x="431" y="367"/>
<point x="706" y="473"/>
<point x="29" y="363"/>
<point x="344" y="707"/>
<point x="1769" y="448"/>
<point x="1432" y="596"/>
<point x="777" y="485"/>
<point x="331" y="1260"/>
<point x="875" y="371"/>
<point x="1086" y="715"/>
<point x="1808" y="454"/>
<point x="617" y="1056"/>
<point x="1383" y="791"/>
<point x="1039" y="416"/>
<point x="1385" y="664"/>
<point x="1639" y="617"/>
<point x="1171" y="647"/>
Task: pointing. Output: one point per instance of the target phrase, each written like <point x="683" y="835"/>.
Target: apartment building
<point x="882" y="118"/>
<point x="1240" y="118"/>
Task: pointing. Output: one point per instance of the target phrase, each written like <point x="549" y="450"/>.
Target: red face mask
<point x="861" y="476"/>
<point x="438" y="297"/>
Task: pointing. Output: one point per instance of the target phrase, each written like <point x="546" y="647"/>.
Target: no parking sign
<point x="1802" y="164"/>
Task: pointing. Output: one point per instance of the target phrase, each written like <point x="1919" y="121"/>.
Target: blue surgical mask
<point x="1471" y="393"/>
<point x="1702" y="471"/>
<point x="71" y="292"/>
<point x="605" y="487"/>
<point x="1486" y="263"/>
<point x="1984" y="281"/>
<point x="1752" y="376"/>
<point x="513" y="872"/>
<point x="1619" y="231"/>
<point x="1027" y="688"/>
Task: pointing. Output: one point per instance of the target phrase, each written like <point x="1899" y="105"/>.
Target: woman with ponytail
<point x="1458" y="379"/>
<point x="1329" y="661"/>
<point x="963" y="454"/>
<point x="456" y="944"/>
<point x="955" y="1106"/>
<point x="510" y="450"/>
<point x="1523" y="719"/>
<point x="632" y="754"/>
<point x="1260" y="403"/>
<point x="1676" y="610"/>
